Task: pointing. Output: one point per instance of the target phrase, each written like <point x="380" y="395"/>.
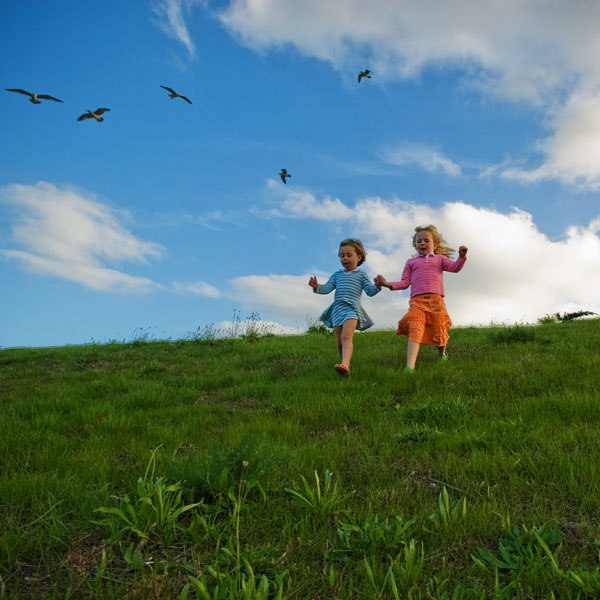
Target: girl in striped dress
<point x="427" y="321"/>
<point x="346" y="314"/>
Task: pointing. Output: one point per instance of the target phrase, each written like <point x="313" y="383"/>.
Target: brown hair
<point x="358" y="248"/>
<point x="438" y="240"/>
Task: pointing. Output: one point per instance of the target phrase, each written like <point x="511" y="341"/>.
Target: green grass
<point x="248" y="468"/>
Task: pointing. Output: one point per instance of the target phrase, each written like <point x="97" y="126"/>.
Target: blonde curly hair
<point x="438" y="240"/>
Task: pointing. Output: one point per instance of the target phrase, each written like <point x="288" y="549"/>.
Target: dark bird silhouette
<point x="366" y="73"/>
<point x="284" y="175"/>
<point x="174" y="94"/>
<point x="94" y="114"/>
<point x="34" y="97"/>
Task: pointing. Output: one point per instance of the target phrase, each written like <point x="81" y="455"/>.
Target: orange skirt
<point x="426" y="321"/>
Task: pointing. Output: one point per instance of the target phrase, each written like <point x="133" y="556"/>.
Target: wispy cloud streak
<point x="171" y="18"/>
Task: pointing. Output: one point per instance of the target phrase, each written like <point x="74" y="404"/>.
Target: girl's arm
<point x="370" y="288"/>
<point x="454" y="266"/>
<point x="404" y="282"/>
<point x="320" y="288"/>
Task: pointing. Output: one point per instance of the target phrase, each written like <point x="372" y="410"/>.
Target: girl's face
<point x="349" y="258"/>
<point x="424" y="243"/>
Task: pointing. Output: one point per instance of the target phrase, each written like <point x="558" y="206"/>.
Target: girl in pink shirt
<point x="427" y="321"/>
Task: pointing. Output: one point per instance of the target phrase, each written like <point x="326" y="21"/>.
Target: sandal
<point x="342" y="369"/>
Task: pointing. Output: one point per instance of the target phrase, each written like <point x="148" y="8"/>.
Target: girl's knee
<point x="347" y="336"/>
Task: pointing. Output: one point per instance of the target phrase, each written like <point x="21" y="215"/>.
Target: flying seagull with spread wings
<point x="366" y="73"/>
<point x="174" y="94"/>
<point x="94" y="114"/>
<point x="35" y="98"/>
<point x="284" y="175"/>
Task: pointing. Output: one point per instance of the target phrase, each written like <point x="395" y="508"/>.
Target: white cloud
<point x="302" y="204"/>
<point x="199" y="288"/>
<point x="544" y="53"/>
<point x="573" y="150"/>
<point x="68" y="235"/>
<point x="285" y="298"/>
<point x="514" y="273"/>
<point x="425" y="157"/>
<point x="171" y="19"/>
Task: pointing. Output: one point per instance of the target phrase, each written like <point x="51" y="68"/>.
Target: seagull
<point x="174" y="94"/>
<point x="94" y="114"/>
<point x="284" y="174"/>
<point x="34" y="97"/>
<point x="366" y="73"/>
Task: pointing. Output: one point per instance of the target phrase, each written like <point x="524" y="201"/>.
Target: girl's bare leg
<point x="347" y="342"/>
<point x="338" y="338"/>
<point x="441" y="350"/>
<point x="412" y="352"/>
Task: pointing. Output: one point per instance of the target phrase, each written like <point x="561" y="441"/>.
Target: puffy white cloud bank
<point x="543" y="53"/>
<point x="514" y="273"/>
<point x="64" y="233"/>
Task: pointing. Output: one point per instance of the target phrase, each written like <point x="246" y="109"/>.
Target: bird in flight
<point x="366" y="73"/>
<point x="34" y="97"/>
<point x="174" y="94"/>
<point x="284" y="175"/>
<point x="94" y="114"/>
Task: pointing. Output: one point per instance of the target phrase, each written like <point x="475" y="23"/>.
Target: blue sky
<point x="480" y="117"/>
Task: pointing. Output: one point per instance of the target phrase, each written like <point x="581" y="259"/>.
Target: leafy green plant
<point x="581" y="578"/>
<point x="320" y="502"/>
<point x="153" y="514"/>
<point x="319" y="329"/>
<point x="585" y="580"/>
<point x="417" y="434"/>
<point x="436" y="590"/>
<point x="447" y="518"/>
<point x="520" y="549"/>
<point x="402" y="574"/>
<point x="405" y="569"/>
<point x="134" y="558"/>
<point x="373" y="535"/>
<point x="264" y="561"/>
<point x="210" y="475"/>
<point x="214" y="584"/>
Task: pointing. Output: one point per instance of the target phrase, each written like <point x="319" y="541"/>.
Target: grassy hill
<point x="247" y="468"/>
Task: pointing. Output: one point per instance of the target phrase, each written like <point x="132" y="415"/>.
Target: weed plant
<point x="219" y="468"/>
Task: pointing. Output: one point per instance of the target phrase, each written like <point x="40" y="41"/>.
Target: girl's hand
<point x="380" y="282"/>
<point x="462" y="251"/>
<point x="313" y="283"/>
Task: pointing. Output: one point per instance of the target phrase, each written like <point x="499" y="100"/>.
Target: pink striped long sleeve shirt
<point x="424" y="274"/>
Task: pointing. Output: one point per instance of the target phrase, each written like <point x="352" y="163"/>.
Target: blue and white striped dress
<point x="348" y="286"/>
